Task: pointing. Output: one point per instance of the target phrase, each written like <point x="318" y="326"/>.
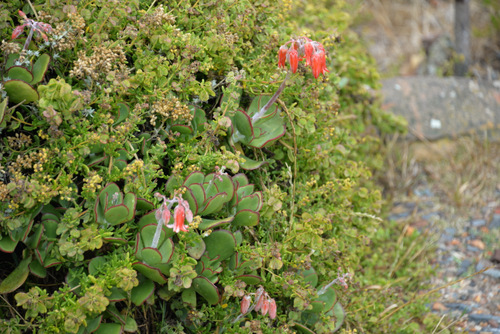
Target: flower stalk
<point x="182" y="213"/>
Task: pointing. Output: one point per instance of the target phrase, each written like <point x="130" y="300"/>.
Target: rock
<point x="495" y="222"/>
<point x="444" y="107"/>
<point x="478" y="222"/>
<point x="495" y="273"/>
<point x="464" y="266"/>
<point x="437" y="306"/>
<point x="483" y="317"/>
<point x="459" y="306"/>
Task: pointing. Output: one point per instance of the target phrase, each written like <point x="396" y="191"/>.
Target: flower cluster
<point x="182" y="213"/>
<point x="263" y="303"/>
<point x="303" y="48"/>
<point x="38" y="27"/>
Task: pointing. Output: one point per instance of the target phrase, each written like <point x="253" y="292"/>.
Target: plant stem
<point x="273" y="99"/>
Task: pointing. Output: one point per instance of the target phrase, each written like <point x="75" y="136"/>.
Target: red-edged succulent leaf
<point x="246" y="218"/>
<point x="206" y="289"/>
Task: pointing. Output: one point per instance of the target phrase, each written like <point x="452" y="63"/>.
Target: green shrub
<point x="139" y="108"/>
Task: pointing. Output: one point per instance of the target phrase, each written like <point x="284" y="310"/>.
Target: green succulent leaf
<point x="220" y="243"/>
<point x="37" y="269"/>
<point x="206" y="289"/>
<point x="258" y="103"/>
<point x="7" y="245"/>
<point x="109" y="328"/>
<point x="150" y="272"/>
<point x="310" y="276"/>
<point x="214" y="204"/>
<point x="182" y="129"/>
<point x="189" y="297"/>
<point x="246" y="218"/>
<point x="194" y="177"/>
<point x="20" y="91"/>
<point x="242" y="123"/>
<point x="123" y="113"/>
<point x="39" y="68"/>
<point x="209" y="224"/>
<point x="196" y="248"/>
<point x="17" y="277"/>
<point x="143" y="291"/>
<point x="20" y="73"/>
<point x="250" y="279"/>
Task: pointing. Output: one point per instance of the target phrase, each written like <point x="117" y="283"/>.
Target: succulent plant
<point x="218" y="194"/>
<point x="39" y="241"/>
<point x="215" y="195"/>
<point x="21" y="80"/>
<point x="325" y="305"/>
<point x="113" y="208"/>
<point x="258" y="126"/>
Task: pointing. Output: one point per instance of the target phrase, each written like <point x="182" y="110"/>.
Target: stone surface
<point x="444" y="107"/>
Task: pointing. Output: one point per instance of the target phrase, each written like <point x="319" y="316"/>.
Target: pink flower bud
<point x="272" y="308"/>
<point x="17" y="31"/>
<point x="265" y="304"/>
<point x="245" y="304"/>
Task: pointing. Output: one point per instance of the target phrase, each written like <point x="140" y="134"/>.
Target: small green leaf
<point x="123" y="113"/>
<point x="194" y="177"/>
<point x="214" y="204"/>
<point x="243" y="124"/>
<point x="37" y="269"/>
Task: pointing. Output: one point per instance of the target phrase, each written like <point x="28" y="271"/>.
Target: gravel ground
<point x="466" y="233"/>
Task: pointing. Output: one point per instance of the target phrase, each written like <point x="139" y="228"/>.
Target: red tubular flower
<point x="272" y="308"/>
<point x="245" y="304"/>
<point x="293" y="57"/>
<point x="322" y="56"/>
<point x="308" y="50"/>
<point x="18" y="31"/>
<point x="282" y="56"/>
<point x="316" y="64"/>
<point x="179" y="217"/>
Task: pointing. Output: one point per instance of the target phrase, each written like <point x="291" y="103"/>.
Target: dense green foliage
<point x="142" y="98"/>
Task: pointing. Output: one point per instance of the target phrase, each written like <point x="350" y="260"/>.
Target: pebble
<point x="483" y="317"/>
<point x="459" y="306"/>
<point x="478" y="222"/>
<point x="464" y="266"/>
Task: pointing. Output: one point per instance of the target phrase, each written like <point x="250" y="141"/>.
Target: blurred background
<point x="410" y="37"/>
